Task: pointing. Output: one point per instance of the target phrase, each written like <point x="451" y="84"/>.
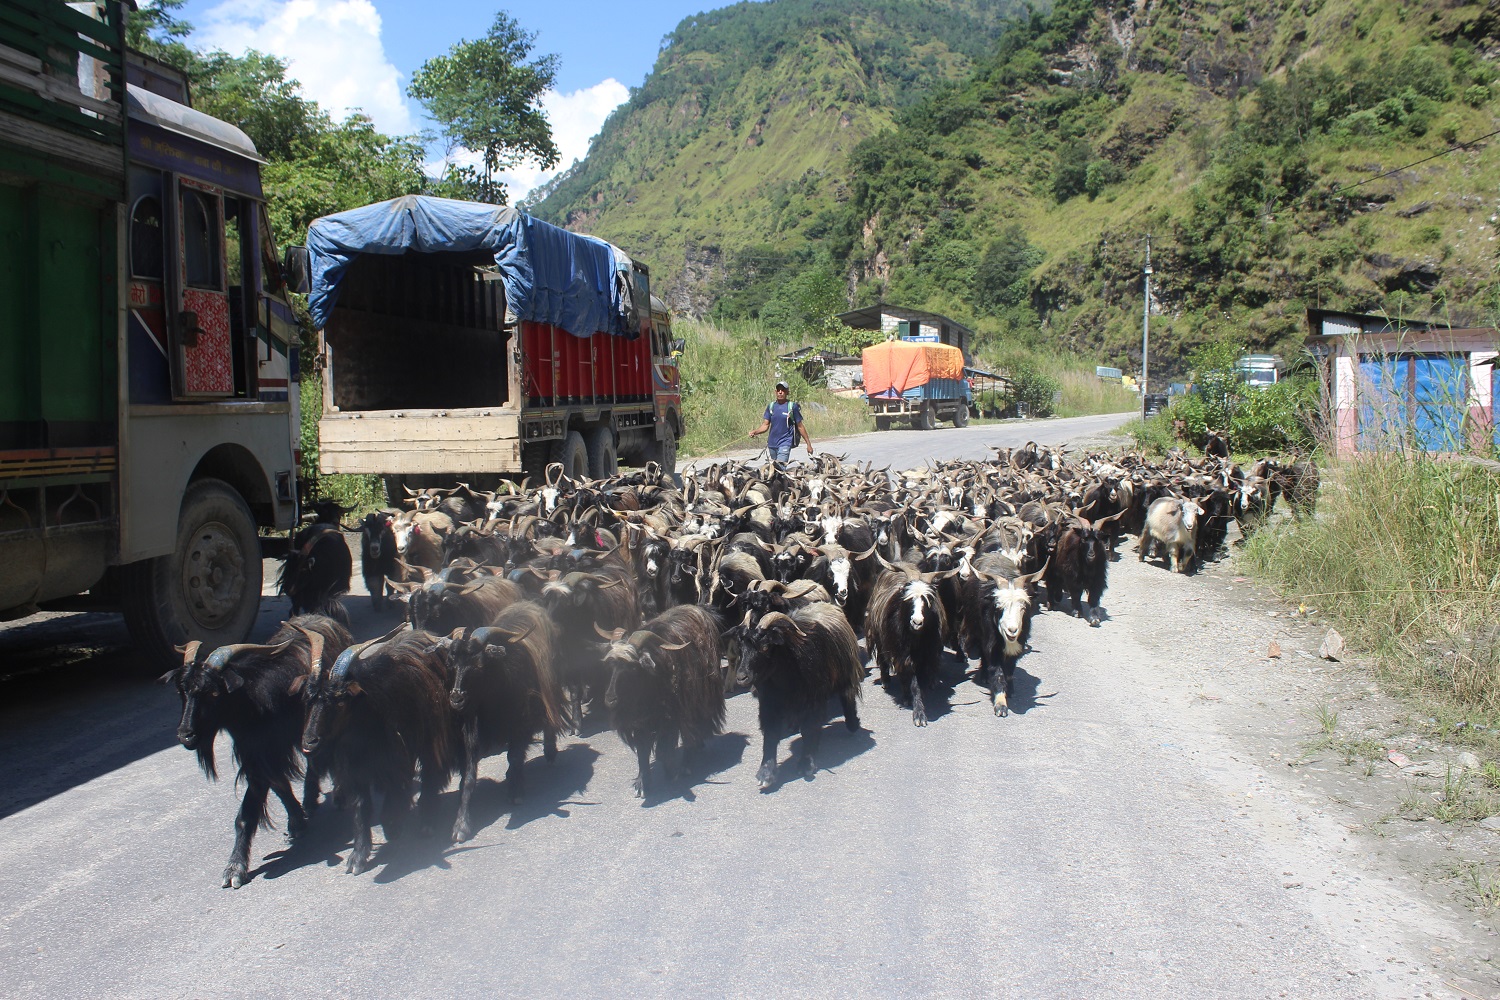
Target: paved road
<point x="1110" y="839"/>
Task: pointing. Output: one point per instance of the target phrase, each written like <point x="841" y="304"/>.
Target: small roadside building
<point x="898" y="323"/>
<point x="1405" y="384"/>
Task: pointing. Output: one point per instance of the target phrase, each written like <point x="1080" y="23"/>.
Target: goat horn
<point x="775" y="617"/>
<point x="219" y="658"/>
<point x="189" y="652"/>
<point x="613" y="636"/>
<point x="670" y="647"/>
<point x="314" y="649"/>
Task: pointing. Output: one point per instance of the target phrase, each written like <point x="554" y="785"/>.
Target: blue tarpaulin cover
<point x="550" y="275"/>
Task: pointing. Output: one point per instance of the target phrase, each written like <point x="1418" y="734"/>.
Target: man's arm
<point x="765" y="424"/>
<point x="802" y="426"/>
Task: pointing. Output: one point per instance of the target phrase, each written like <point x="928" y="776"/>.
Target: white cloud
<point x="576" y="118"/>
<point x="332" y="47"/>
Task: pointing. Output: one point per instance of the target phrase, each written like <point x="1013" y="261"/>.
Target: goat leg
<point x="312" y="788"/>
<point x="462" y="831"/>
<point x="549" y="745"/>
<point x="296" y="819"/>
<point x="851" y="712"/>
<point x="812" y="734"/>
<point x="252" y="809"/>
<point x="515" y="780"/>
<point x="668" y="755"/>
<point x="359" y="853"/>
<point x="643" y="767"/>
<point x="918" y="705"/>
<point x="770" y="736"/>
<point x="434" y="780"/>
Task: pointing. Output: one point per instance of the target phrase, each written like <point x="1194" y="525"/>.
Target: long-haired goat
<point x="506" y="693"/>
<point x="1172" y="523"/>
<point x="247" y="690"/>
<point x="381" y="710"/>
<point x="904" y="633"/>
<point x="664" y="684"/>
<point x="998" y="606"/>
<point x="315" y="570"/>
<point x="795" y="663"/>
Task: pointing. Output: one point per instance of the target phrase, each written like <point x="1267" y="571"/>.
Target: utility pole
<point x="1146" y="329"/>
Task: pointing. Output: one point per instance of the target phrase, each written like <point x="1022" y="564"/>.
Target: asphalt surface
<point x="1097" y="843"/>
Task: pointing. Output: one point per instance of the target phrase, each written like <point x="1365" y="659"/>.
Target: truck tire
<point x="926" y="418"/>
<point x="882" y="423"/>
<point x="603" y="462"/>
<point x="666" y="456"/>
<point x="573" y="454"/>
<point x="208" y="587"/>
<point x="961" y="416"/>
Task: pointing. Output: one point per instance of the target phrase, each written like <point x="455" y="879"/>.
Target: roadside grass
<point x="363" y="493"/>
<point x="1404" y="558"/>
<point x="1478" y="883"/>
<point x="1085" y="394"/>
<point x="728" y="377"/>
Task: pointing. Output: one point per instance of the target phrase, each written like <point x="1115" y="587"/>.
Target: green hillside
<point x="742" y="132"/>
<point x="1012" y="187"/>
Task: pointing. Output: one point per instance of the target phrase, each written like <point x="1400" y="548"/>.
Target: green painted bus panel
<point x="58" y="299"/>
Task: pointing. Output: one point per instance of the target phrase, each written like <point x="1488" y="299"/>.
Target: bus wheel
<point x="208" y="587"/>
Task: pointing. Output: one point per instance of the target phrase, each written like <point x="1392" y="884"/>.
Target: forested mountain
<point x="1008" y="178"/>
<point x="742" y="132"/>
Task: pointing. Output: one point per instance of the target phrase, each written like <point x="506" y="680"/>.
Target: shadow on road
<point x="719" y="754"/>
<point x="838" y="747"/>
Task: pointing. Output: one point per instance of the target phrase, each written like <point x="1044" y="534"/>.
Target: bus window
<point x="200" y="242"/>
<point x="146" y="241"/>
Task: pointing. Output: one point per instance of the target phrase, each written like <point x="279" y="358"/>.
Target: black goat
<point x="316" y="569"/>
<point x="795" y="663"/>
<point x="578" y="602"/>
<point x="506" y="693"/>
<point x="458" y="598"/>
<point x="379" y="712"/>
<point x="904" y="633"/>
<point x="1080" y="565"/>
<point x="246" y="691"/>
<point x="664" y="684"/>
<point x="377" y="556"/>
<point x="998" y="607"/>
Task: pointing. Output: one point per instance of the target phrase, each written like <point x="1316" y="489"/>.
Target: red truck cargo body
<point x="563" y="370"/>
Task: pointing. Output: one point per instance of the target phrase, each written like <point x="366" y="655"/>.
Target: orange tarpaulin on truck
<point x="903" y="365"/>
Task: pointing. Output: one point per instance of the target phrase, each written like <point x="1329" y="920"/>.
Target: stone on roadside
<point x="1468" y="761"/>
<point x="1333" y="646"/>
<point x="1493" y="823"/>
<point x="1274" y="650"/>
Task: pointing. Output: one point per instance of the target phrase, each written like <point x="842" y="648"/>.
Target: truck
<point x="464" y="341"/>
<point x="918" y="382"/>
<point x="1260" y="370"/>
<point x="148" y="360"/>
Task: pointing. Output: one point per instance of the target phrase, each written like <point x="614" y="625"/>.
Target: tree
<point x="487" y="97"/>
<point x="158" y="32"/>
<point x="1000" y="278"/>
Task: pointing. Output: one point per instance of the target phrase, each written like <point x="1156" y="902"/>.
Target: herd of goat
<point x="651" y="602"/>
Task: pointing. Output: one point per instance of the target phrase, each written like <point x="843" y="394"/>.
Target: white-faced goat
<point x="998" y="607"/>
<point x="904" y="632"/>
<point x="1173" y="524"/>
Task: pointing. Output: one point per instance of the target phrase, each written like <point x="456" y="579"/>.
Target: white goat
<point x="1172" y="522"/>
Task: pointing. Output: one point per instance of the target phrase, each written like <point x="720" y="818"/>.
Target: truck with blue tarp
<point x="148" y="371"/>
<point x="916" y="381"/>
<point x="471" y="341"/>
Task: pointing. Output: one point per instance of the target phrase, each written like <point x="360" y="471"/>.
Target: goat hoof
<point x="765" y="775"/>
<point x="234" y="876"/>
<point x="808" y="768"/>
<point x="462" y="833"/>
<point x="919" y="719"/>
<point x="357" y="865"/>
<point x="851" y="723"/>
<point x="1001" y="708"/>
<point x="639" y="784"/>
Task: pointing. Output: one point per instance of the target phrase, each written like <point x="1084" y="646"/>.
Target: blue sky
<point x="352" y="54"/>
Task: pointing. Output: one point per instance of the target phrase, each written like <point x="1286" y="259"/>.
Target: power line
<point x="1397" y="170"/>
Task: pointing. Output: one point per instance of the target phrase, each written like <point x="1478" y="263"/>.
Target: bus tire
<point x="961" y="416"/>
<point x="208" y="587"/>
<point x="926" y="418"/>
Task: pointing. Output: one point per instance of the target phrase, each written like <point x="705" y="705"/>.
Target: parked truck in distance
<point x="460" y="340"/>
<point x="147" y="360"/>
<point x="920" y="383"/>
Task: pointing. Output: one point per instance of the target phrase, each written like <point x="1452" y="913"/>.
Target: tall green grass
<point x="1404" y="556"/>
<point x="729" y="377"/>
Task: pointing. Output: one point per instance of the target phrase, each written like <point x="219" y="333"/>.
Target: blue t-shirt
<point x="784" y="418"/>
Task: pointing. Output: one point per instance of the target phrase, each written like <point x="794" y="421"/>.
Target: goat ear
<point x="170" y="677"/>
<point x="298" y="683"/>
<point x="232" y="680"/>
<point x="354" y="688"/>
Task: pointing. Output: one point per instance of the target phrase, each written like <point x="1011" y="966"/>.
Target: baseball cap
<point x="783" y="385"/>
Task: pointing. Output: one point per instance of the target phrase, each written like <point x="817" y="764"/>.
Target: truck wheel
<point x="603" y="462"/>
<point x="208" y="587"/>
<point x="882" y="423"/>
<point x="926" y="418"/>
<point x="573" y="454"/>
<point x="961" y="416"/>
<point x="666" y="456"/>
